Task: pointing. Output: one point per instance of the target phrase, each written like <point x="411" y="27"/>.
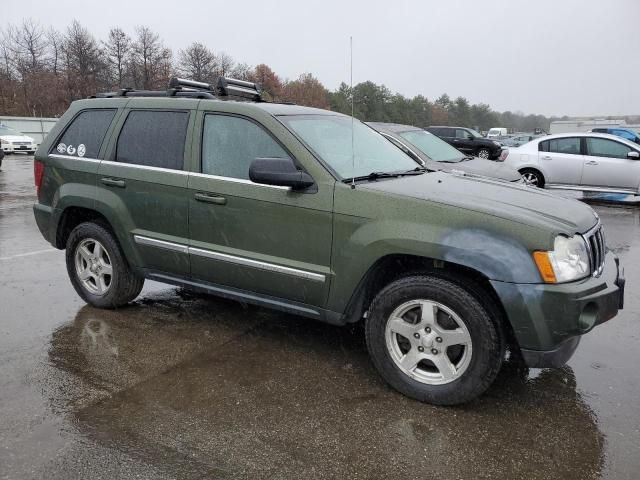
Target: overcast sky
<point x="573" y="57"/>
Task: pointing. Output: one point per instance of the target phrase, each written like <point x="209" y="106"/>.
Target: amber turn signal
<point x="544" y="267"/>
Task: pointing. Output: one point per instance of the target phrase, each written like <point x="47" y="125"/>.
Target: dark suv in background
<point x="468" y="140"/>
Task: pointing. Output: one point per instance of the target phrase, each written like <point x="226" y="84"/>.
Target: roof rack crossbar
<point x="181" y="87"/>
<point x="239" y="88"/>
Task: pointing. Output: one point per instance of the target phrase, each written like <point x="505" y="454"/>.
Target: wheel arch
<point x="395" y="266"/>
<point x="73" y="215"/>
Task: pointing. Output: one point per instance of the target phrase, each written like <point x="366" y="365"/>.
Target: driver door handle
<point x="591" y="162"/>
<point x="215" y="199"/>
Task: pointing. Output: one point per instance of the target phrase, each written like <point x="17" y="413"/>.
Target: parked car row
<point x="436" y="154"/>
<point x="591" y="162"/>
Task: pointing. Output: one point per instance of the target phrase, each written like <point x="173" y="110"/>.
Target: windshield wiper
<point x="376" y="175"/>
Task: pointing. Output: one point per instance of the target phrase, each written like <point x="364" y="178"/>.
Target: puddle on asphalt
<point x="240" y="391"/>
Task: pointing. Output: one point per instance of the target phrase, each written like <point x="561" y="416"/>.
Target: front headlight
<point x="569" y="260"/>
<point x="497" y="143"/>
<point x="4" y="142"/>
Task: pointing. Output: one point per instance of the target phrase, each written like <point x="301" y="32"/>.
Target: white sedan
<point x="12" y="141"/>
<point x="579" y="161"/>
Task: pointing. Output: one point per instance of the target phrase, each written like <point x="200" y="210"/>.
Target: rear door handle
<point x="591" y="162"/>
<point x="203" y="197"/>
<point x="113" y="182"/>
<point x="546" y="157"/>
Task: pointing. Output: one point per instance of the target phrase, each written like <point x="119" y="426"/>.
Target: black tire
<point x="124" y="284"/>
<point x="532" y="177"/>
<point x="483" y="153"/>
<point x="487" y="340"/>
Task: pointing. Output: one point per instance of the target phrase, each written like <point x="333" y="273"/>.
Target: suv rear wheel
<point x="97" y="268"/>
<point x="433" y="341"/>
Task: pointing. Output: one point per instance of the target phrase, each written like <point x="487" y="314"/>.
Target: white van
<point x="497" y="132"/>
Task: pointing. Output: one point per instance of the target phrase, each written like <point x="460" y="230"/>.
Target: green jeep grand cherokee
<point x="265" y="203"/>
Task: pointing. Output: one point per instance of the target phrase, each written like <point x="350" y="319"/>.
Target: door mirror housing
<point x="633" y="155"/>
<point x="469" y="136"/>
<point x="280" y="172"/>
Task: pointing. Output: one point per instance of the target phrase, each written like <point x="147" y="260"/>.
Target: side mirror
<point x="633" y="155"/>
<point x="279" y="171"/>
<point x="469" y="137"/>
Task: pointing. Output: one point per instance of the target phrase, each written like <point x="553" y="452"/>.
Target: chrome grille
<point x="597" y="249"/>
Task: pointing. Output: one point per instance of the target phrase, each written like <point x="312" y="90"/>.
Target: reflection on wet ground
<point x="187" y="386"/>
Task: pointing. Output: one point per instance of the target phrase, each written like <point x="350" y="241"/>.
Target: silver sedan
<point x="590" y="162"/>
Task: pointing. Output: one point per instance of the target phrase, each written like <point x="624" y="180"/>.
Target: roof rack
<point x="181" y="87"/>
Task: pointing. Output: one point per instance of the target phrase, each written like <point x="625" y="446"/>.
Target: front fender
<point x="491" y="254"/>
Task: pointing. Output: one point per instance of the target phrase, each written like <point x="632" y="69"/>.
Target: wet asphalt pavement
<point x="188" y="386"/>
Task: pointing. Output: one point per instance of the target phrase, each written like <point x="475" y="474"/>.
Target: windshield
<point x="4" y="130"/>
<point x="330" y="138"/>
<point x="432" y="146"/>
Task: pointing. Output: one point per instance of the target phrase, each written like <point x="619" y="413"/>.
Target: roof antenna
<point x="353" y="152"/>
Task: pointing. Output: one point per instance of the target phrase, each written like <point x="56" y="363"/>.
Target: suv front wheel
<point x="433" y="340"/>
<point x="98" y="270"/>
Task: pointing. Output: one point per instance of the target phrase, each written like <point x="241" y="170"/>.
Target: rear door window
<point x="85" y="134"/>
<point x="153" y="139"/>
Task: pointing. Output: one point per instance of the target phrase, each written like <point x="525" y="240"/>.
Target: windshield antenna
<point x="353" y="152"/>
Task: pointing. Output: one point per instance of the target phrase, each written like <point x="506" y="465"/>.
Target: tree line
<point x="43" y="70"/>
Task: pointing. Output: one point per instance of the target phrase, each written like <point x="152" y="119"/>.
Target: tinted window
<point x="601" y="130"/>
<point x="461" y="134"/>
<point x="153" y="138"/>
<point x="601" y="147"/>
<point x="230" y="144"/>
<point x="564" y="145"/>
<point x="84" y="136"/>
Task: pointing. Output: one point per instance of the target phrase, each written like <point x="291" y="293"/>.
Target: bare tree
<point x="198" y="63"/>
<point x="117" y="50"/>
<point x="28" y="46"/>
<point x="56" y="41"/>
<point x="84" y="67"/>
<point x="151" y="60"/>
<point x="242" y="71"/>
<point x="224" y="64"/>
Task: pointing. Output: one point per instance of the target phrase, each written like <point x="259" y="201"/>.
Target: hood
<point x="482" y="167"/>
<point x="16" y="138"/>
<point x="516" y="202"/>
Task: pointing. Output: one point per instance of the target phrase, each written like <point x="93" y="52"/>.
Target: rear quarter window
<point x="85" y="134"/>
<point x="153" y="138"/>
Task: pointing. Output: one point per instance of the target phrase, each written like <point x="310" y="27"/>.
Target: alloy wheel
<point x="93" y="266"/>
<point x="428" y="342"/>
<point x="530" y="178"/>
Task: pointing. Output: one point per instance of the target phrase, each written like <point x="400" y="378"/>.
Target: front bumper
<point x="548" y="320"/>
<point x="10" y="148"/>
